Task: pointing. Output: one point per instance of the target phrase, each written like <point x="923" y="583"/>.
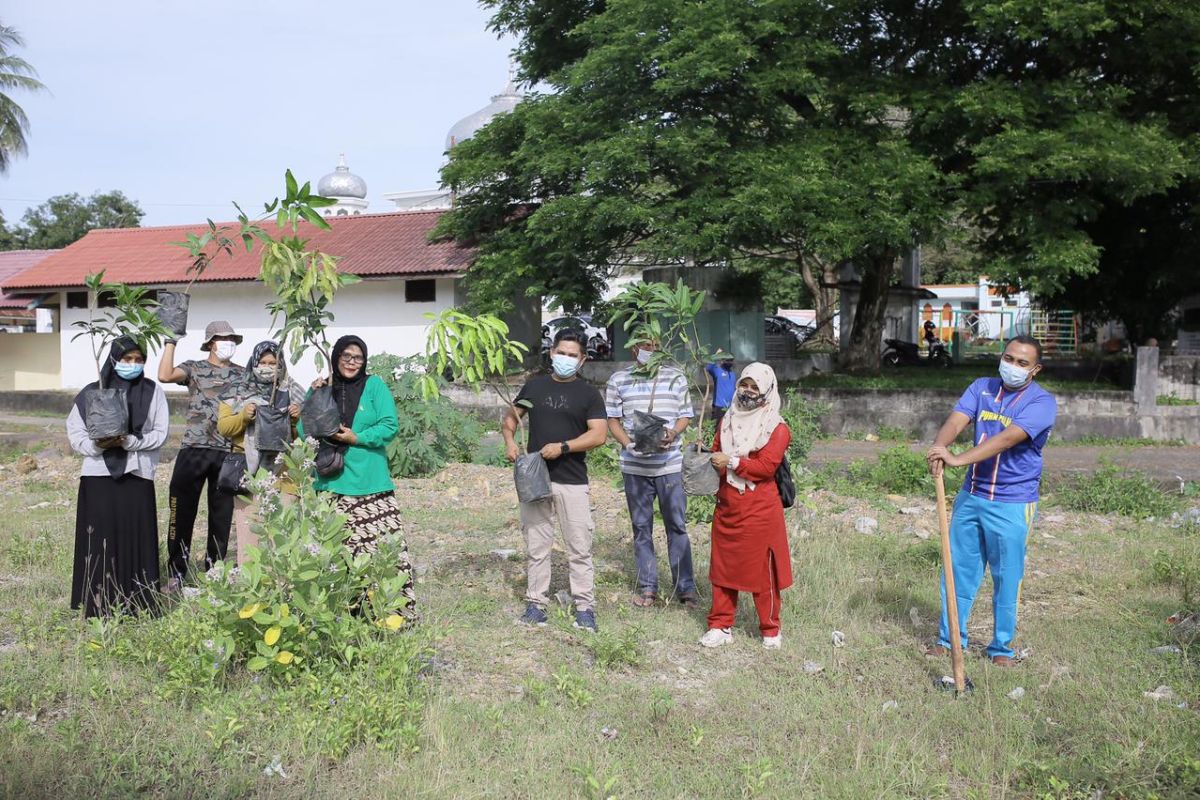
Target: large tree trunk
<point x="862" y="354"/>
<point x="821" y="287"/>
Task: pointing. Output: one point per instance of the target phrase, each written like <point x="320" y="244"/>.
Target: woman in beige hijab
<point x="749" y="538"/>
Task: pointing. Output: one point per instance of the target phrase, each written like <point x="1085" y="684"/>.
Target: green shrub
<point x="299" y="602"/>
<point x="432" y="432"/>
<point x="611" y="650"/>
<point x="604" y="464"/>
<point x="1180" y="570"/>
<point x="803" y="418"/>
<point x="1108" y="490"/>
<point x="700" y="509"/>
<point x="319" y="624"/>
<point x="899" y="470"/>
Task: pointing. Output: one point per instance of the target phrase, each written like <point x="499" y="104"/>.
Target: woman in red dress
<point x="749" y="537"/>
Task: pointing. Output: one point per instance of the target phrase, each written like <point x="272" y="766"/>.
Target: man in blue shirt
<point x="724" y="386"/>
<point x="994" y="510"/>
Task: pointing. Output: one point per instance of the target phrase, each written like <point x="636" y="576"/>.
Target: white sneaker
<point x="773" y="642"/>
<point x="716" y="637"/>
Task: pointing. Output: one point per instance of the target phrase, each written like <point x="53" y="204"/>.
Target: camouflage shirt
<point x="206" y="383"/>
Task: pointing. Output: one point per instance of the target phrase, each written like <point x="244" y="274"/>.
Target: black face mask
<point x="727" y="365"/>
<point x="749" y="402"/>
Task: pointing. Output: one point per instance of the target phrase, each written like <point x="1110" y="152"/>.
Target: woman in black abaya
<point x="116" y="522"/>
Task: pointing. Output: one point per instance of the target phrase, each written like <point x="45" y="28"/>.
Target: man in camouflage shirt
<point x="203" y="450"/>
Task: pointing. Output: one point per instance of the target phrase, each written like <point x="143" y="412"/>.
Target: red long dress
<point x="749" y="531"/>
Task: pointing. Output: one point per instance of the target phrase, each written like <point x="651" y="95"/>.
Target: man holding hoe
<point x="994" y="511"/>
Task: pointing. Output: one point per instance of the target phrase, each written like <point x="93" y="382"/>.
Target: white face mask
<point x="225" y="350"/>
<point x="643" y="356"/>
<point x="266" y="374"/>
<point x="1013" y="376"/>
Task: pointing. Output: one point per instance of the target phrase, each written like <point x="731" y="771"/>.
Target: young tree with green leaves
<point x="131" y="315"/>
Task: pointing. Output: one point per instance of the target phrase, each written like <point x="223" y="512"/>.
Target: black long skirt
<point x="116" y="546"/>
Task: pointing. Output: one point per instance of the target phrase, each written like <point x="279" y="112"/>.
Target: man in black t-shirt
<point x="566" y="419"/>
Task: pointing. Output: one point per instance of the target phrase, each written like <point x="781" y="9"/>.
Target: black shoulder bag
<point x="785" y="484"/>
<point x="232" y="478"/>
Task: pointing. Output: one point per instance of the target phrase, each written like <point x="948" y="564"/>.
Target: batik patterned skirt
<point x="370" y="518"/>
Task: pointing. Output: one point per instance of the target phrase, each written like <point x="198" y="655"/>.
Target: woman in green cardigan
<point x="363" y="489"/>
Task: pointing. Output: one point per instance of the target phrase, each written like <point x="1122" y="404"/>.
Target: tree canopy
<point x="716" y="131"/>
<point x="15" y="73"/>
<point x="65" y="218"/>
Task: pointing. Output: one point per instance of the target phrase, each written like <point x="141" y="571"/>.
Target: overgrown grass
<point x="1114" y="441"/>
<point x="1173" y="400"/>
<point x="897" y="470"/>
<point x="641" y="710"/>
<point x="1109" y="490"/>
<point x="955" y="378"/>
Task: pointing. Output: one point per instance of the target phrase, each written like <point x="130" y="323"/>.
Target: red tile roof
<point x="13" y="263"/>
<point x="371" y="244"/>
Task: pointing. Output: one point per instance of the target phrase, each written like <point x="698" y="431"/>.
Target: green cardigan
<point x="366" y="471"/>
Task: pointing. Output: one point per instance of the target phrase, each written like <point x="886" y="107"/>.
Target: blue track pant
<point x="987" y="533"/>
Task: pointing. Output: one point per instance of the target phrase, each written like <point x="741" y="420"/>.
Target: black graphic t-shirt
<point x="560" y="411"/>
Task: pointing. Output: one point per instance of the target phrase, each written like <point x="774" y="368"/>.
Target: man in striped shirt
<point x="654" y="475"/>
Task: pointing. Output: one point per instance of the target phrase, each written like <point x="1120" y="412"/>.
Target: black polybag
<point x="272" y="429"/>
<point x="320" y="414"/>
<point x="107" y="413"/>
<point x="700" y="477"/>
<point x="532" y="477"/>
<point x="649" y="432"/>
<point x="173" y="311"/>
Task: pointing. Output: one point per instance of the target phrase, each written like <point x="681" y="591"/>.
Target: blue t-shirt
<point x="1013" y="475"/>
<point x="724" y="383"/>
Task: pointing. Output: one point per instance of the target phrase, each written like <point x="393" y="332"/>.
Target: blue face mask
<point x="128" y="371"/>
<point x="1013" y="376"/>
<point x="564" y="366"/>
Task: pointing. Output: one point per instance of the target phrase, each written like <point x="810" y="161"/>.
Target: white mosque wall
<point x="374" y="310"/>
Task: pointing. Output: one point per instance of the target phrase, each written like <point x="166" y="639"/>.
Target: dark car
<point x="775" y="325"/>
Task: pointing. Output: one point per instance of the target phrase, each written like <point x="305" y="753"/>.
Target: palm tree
<point x="15" y="73"/>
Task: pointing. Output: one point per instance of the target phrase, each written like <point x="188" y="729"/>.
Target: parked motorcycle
<point x="547" y="345"/>
<point x="598" y="348"/>
<point x="897" y="353"/>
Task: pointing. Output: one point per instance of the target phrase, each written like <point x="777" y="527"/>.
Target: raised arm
<point x="167" y="371"/>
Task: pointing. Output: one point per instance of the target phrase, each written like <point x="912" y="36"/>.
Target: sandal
<point x="645" y="599"/>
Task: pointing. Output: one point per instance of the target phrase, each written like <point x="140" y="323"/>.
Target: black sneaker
<point x="586" y="620"/>
<point x="533" y="616"/>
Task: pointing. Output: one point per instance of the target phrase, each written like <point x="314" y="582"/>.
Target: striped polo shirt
<point x="628" y="393"/>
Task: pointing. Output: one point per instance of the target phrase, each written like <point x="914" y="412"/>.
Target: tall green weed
<point x="432" y="432"/>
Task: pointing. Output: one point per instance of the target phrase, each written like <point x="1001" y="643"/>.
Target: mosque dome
<point x="342" y="182"/>
<point x="469" y="125"/>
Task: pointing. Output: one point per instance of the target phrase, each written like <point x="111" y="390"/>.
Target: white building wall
<point x="373" y="309"/>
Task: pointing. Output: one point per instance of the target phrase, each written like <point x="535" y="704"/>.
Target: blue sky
<point x="185" y="106"/>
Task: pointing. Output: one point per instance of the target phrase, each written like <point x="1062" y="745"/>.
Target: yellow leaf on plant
<point x="394" y="622"/>
<point x="272" y="635"/>
<point x="284" y="611"/>
<point x="285" y="657"/>
<point x="94" y="645"/>
<point x="249" y="611"/>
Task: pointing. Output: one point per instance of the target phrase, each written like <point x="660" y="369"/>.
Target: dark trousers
<point x="193" y="467"/>
<point x="717" y="413"/>
<point x="639" y="496"/>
